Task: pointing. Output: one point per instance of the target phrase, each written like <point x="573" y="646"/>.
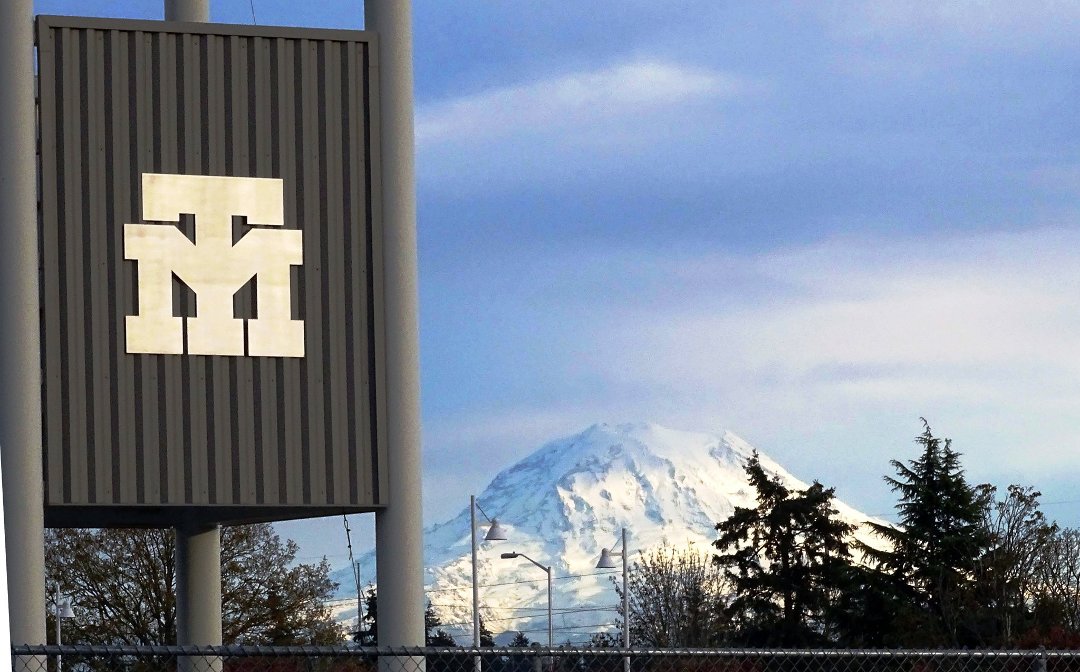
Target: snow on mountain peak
<point x="571" y="497"/>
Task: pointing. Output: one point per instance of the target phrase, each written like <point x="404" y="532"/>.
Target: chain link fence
<point x="357" y="659"/>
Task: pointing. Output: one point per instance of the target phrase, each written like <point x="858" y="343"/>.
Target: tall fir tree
<point x="487" y="638"/>
<point x="434" y="634"/>
<point x="788" y="559"/>
<point x="931" y="554"/>
<point x="367" y="633"/>
<point x="520" y="640"/>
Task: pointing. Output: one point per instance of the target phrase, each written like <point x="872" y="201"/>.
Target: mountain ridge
<point x="568" y="499"/>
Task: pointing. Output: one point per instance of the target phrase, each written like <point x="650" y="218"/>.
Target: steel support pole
<point x="56" y="613"/>
<point x="548" y="570"/>
<point x="398" y="535"/>
<point x="625" y="602"/>
<point x="551" y="659"/>
<point x="359" y="600"/>
<point x="475" y="584"/>
<point x="193" y="11"/>
<point x="198" y="549"/>
<point x="198" y="592"/>
<point x="20" y="338"/>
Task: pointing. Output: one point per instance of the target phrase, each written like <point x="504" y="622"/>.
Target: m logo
<point x="213" y="268"/>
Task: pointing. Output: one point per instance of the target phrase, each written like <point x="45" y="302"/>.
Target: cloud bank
<point x="833" y="349"/>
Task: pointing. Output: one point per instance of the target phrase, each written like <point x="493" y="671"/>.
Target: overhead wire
<point x="537" y="611"/>
<point x="521" y="581"/>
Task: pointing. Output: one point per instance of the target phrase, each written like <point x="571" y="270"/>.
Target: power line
<point x="540" y="612"/>
<point x="429" y="591"/>
<point x="576" y="628"/>
<point x="514" y="583"/>
<point x="518" y="618"/>
<point x="543" y="610"/>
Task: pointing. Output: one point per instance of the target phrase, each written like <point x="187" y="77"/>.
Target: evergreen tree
<point x="788" y="559"/>
<point x="486" y="638"/>
<point x="434" y="635"/>
<point x="604" y="640"/>
<point x="520" y="640"/>
<point x="931" y="555"/>
<point x="368" y="633"/>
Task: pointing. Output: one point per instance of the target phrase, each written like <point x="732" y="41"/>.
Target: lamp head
<point x="495" y="532"/>
<point x="606" y="560"/>
<point x="63" y="610"/>
<point x="508" y="556"/>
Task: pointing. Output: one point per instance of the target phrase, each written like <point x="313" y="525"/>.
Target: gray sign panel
<point x="210" y="273"/>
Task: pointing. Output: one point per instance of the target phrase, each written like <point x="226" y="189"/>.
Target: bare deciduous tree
<point x="123" y="586"/>
<point x="1059" y="576"/>
<point x="1006" y="572"/>
<point x="676" y="599"/>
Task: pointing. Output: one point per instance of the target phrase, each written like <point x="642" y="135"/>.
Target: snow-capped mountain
<point x="566" y="501"/>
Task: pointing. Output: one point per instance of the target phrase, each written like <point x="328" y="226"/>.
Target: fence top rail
<point x="354" y="650"/>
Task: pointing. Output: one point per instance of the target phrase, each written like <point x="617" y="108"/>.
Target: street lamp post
<point x="510" y="556"/>
<point x="62" y="610"/>
<point x="606" y="562"/>
<point x="494" y="533"/>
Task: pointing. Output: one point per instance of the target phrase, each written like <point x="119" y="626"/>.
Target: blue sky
<point x="808" y="223"/>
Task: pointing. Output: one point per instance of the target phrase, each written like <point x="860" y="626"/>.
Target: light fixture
<point x="61" y="610"/>
<point x="607" y="561"/>
<point x="494" y="533"/>
<point x="512" y="555"/>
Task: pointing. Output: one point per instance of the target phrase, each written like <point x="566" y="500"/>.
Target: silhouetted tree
<point x="122" y="584"/>
<point x="788" y="560"/>
<point x="486" y="638"/>
<point x="931" y="555"/>
<point x="520" y="640"/>
<point x="1006" y="578"/>
<point x="434" y="635"/>
<point x="604" y="640"/>
<point x="368" y="632"/>
<point x="1057" y="602"/>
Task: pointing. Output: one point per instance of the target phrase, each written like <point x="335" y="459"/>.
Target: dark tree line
<point x="965" y="566"/>
<point x="123" y="586"/>
<point x="434" y="633"/>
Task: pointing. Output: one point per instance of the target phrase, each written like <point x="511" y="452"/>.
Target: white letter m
<point x="213" y="268"/>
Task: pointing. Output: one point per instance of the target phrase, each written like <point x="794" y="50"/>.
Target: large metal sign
<point x="211" y="306"/>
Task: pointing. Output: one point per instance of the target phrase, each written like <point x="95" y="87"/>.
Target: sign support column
<point x="20" y="340"/>
<point x="192" y="11"/>
<point x="198" y="592"/>
<point x="398" y="534"/>
<point x="198" y="550"/>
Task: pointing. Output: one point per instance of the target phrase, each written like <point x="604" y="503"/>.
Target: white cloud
<point x="573" y="100"/>
<point x="974" y="23"/>
<point x="967" y="327"/>
<point x="979" y="333"/>
<point x="902" y="41"/>
<point x="966" y="302"/>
